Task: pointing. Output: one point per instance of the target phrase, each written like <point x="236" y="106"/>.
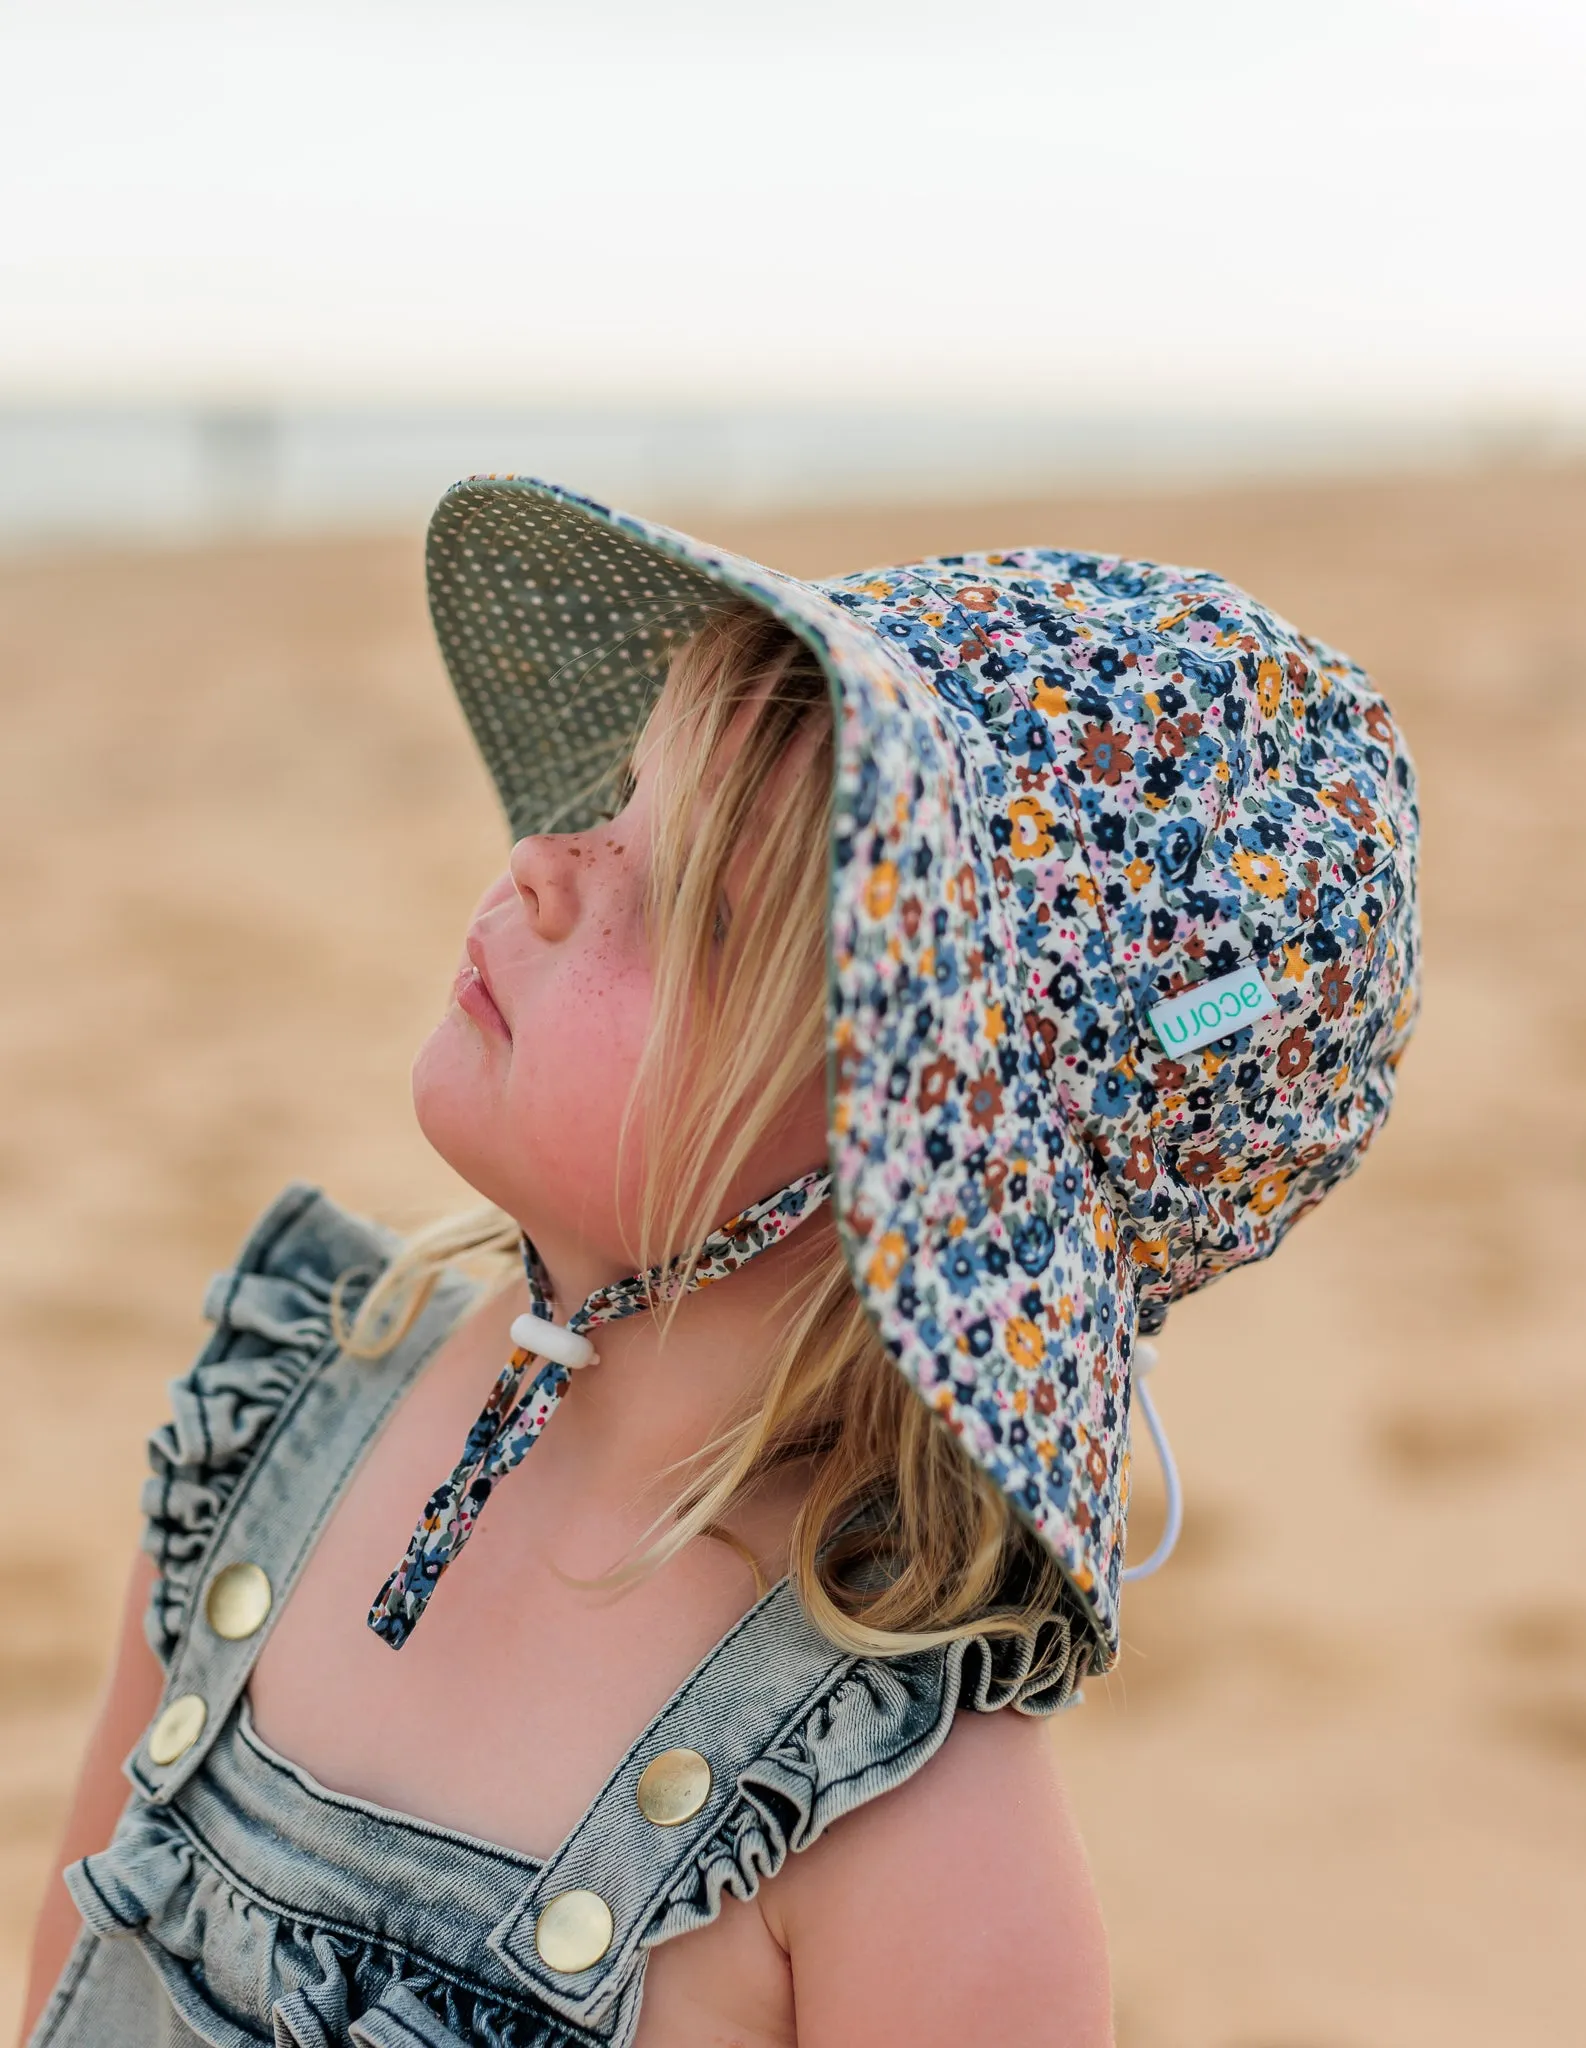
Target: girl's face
<point x="521" y="1086"/>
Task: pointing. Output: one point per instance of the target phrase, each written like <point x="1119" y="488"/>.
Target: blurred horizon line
<point x="186" y="469"/>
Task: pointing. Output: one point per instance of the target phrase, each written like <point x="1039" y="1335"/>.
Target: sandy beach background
<point x="1336" y="1794"/>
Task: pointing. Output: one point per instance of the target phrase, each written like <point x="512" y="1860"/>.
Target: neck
<point x="660" y="1393"/>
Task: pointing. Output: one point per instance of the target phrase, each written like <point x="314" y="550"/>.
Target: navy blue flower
<point x="1109" y="830"/>
<point x="1034" y="1242"/>
<point x="1029" y="734"/>
<point x="961" y="1267"/>
<point x="1110" y="1096"/>
<point x="865" y="794"/>
<point x="1030" y="935"/>
<point x="1161" y="777"/>
<point x="1107" y="662"/>
<point x="1090" y="703"/>
<point x="1178" y="849"/>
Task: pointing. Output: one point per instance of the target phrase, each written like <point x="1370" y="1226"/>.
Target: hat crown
<point x="1178" y="785"/>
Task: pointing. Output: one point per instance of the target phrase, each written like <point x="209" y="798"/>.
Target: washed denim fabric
<point x="241" y="1902"/>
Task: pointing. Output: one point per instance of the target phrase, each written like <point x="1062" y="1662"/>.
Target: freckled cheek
<point x="575" y="1055"/>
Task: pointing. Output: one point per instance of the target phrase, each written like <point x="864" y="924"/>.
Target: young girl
<point x="900" y="990"/>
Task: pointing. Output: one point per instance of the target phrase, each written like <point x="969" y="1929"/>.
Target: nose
<point x="544" y="870"/>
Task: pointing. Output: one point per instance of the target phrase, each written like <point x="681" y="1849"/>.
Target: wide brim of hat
<point x="994" y="1274"/>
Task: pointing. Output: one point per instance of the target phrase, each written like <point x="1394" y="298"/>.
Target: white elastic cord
<point x="1145" y="1358"/>
<point x="554" y="1341"/>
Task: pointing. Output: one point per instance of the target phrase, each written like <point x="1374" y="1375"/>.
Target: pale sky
<point x="1206" y="202"/>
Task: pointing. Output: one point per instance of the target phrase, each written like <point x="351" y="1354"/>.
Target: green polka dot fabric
<point x="557" y="634"/>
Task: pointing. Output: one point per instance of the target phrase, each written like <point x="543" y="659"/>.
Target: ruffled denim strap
<point x="268" y="1427"/>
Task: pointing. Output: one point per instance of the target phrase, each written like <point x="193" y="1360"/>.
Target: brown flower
<point x="1294" y="1054"/>
<point x="1347" y="800"/>
<point x="1335" y="989"/>
<point x="985" y="1101"/>
<point x="1141" y="1166"/>
<point x="936" y="1083"/>
<point x="911" y="910"/>
<point x="1045" y="1035"/>
<point x="1045" y="1398"/>
<point x="1103" y="755"/>
<point x="1201" y="1168"/>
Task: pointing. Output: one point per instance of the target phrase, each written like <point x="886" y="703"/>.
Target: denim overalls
<point x="240" y="1901"/>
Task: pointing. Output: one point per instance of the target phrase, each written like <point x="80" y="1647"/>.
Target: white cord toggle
<point x="554" y="1341"/>
<point x="1145" y="1360"/>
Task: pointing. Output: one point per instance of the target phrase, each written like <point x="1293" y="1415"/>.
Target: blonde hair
<point x="902" y="1541"/>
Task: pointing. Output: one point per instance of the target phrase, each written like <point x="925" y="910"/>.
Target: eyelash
<point x="619" y="802"/>
<point x="625" y="789"/>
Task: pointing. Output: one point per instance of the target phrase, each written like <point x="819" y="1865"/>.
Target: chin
<point x="458" y="1106"/>
<point x="549" y="1163"/>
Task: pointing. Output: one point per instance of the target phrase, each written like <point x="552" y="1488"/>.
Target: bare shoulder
<point x="959" y="1906"/>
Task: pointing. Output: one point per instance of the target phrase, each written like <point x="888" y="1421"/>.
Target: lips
<point x="473" y="996"/>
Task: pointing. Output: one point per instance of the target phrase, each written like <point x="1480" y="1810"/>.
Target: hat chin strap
<point x="555" y="1341"/>
<point x="522" y="1402"/>
<point x="1145" y="1361"/>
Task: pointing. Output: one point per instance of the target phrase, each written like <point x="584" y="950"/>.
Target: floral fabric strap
<point x="513" y="1418"/>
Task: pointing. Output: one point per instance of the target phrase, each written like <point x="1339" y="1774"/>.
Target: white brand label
<point x="1211" y="1010"/>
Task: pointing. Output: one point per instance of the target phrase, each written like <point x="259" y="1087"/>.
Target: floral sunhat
<point x="1123" y="947"/>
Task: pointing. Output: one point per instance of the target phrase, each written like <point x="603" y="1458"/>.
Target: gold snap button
<point x="573" y="1932"/>
<point x="673" y="1787"/>
<point x="238" y="1601"/>
<point x="178" y="1728"/>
